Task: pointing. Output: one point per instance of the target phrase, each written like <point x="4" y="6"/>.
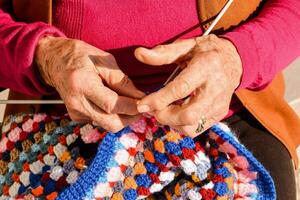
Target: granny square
<point x="51" y="157"/>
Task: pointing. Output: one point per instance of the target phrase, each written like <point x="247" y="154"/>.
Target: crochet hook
<point x="171" y="77"/>
<point x="207" y="32"/>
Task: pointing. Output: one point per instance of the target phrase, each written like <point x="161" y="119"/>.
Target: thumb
<point x="164" y="54"/>
<point x="114" y="78"/>
<point x="122" y="84"/>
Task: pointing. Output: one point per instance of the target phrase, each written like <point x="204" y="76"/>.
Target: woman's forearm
<point x="17" y="47"/>
<point x="268" y="43"/>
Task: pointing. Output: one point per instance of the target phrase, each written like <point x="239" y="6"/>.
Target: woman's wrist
<point x="232" y="56"/>
<point x="44" y="58"/>
<point x="229" y="56"/>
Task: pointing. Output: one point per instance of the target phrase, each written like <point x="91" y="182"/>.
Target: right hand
<point x="89" y="81"/>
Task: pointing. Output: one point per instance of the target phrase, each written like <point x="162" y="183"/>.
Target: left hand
<point x="211" y="71"/>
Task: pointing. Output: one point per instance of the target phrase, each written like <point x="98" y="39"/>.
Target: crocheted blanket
<point x="49" y="157"/>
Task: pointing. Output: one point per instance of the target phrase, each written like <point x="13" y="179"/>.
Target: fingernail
<point x="143" y="108"/>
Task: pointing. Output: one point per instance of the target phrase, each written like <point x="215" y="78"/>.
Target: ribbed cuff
<point x="68" y="16"/>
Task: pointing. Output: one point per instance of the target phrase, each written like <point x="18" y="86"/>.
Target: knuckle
<point x="156" y="101"/>
<point x="181" y="89"/>
<point x="212" y="37"/>
<point x="125" y="81"/>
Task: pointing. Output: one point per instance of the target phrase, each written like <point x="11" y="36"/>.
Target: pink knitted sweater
<point x="266" y="44"/>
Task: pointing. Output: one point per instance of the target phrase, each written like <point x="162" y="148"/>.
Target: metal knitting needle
<point x="172" y="76"/>
<point x="207" y="32"/>
<point x="23" y="102"/>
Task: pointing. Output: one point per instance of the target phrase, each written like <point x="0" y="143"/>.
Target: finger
<point x="190" y="130"/>
<point x="212" y="102"/>
<point x="164" y="54"/>
<point x="189" y="113"/>
<point x="183" y="85"/>
<point x="110" y="122"/>
<point x="187" y="130"/>
<point x="125" y="121"/>
<point x="108" y="100"/>
<point x="124" y="86"/>
<point x="215" y="114"/>
<point x="79" y="117"/>
<point x="76" y="110"/>
<point x="114" y="77"/>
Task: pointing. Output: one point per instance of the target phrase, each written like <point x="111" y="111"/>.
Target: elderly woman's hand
<point x="211" y="71"/>
<point x="89" y="81"/>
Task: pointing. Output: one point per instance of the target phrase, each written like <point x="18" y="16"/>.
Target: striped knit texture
<point x="49" y="157"/>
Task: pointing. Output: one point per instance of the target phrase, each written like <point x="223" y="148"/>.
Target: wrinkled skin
<point x="211" y="71"/>
<point x="89" y="81"/>
<point x="95" y="89"/>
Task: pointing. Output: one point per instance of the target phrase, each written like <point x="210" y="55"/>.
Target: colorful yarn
<point x="50" y="157"/>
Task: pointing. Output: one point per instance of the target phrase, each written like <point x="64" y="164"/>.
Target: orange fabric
<point x="268" y="105"/>
<point x="80" y="163"/>
<point x="159" y="146"/>
<point x="139" y="168"/>
<point x="129" y="182"/>
<point x="52" y="196"/>
<point x="238" y="12"/>
<point x="117" y="196"/>
<point x="65" y="156"/>
<point x="149" y="156"/>
<point x="38" y="191"/>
